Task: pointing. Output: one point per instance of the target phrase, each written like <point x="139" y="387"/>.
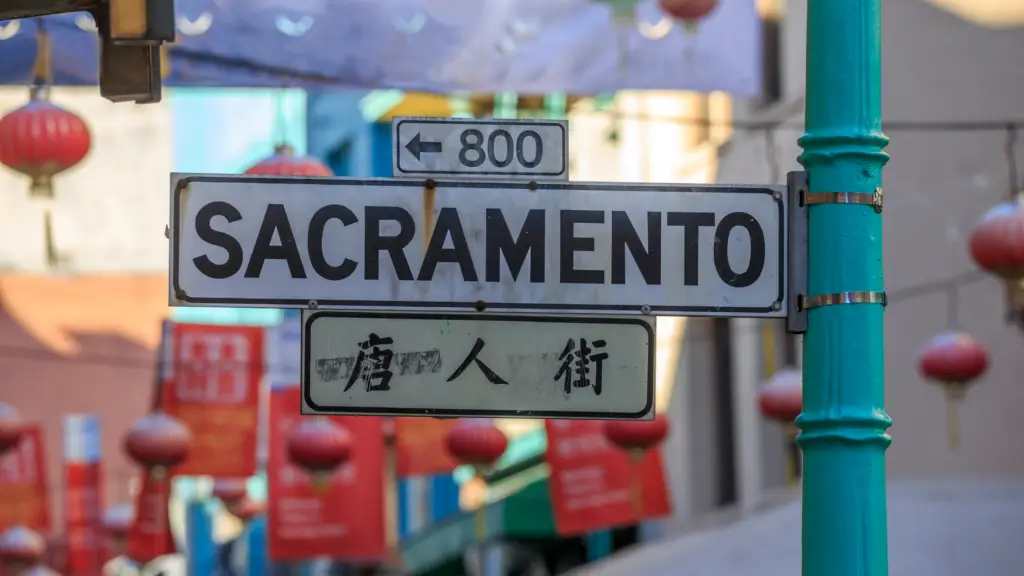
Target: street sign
<point x="509" y="149"/>
<point x="478" y="365"/>
<point x="499" y="246"/>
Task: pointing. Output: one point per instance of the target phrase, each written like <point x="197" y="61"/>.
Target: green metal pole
<point x="843" y="427"/>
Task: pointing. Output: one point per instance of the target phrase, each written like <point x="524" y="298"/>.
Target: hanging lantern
<point x="246" y="509"/>
<point x="477" y="443"/>
<point x="688" y="12"/>
<point x="781" y="397"/>
<point x="997" y="247"/>
<point x="12" y="428"/>
<point x="636" y="436"/>
<point x="997" y="242"/>
<point x="230" y="490"/>
<point x="284" y="162"/>
<point x="41" y="140"/>
<point x="21" y="548"/>
<point x="158" y="442"/>
<point x="319" y="447"/>
<point x="953" y="360"/>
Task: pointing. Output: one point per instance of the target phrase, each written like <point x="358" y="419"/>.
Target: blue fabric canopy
<point x="526" y="46"/>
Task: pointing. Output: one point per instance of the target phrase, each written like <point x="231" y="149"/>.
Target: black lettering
<point x="691" y="222"/>
<point x="448" y="225"/>
<point x="205" y="231"/>
<point x="275" y="219"/>
<point x="538" y="144"/>
<point x="757" y="250"/>
<point x="624" y="236"/>
<point x="569" y="244"/>
<point x="499" y="243"/>
<point x="492" y="151"/>
<point x="395" y="245"/>
<point x="472" y="141"/>
<point x="315" y="242"/>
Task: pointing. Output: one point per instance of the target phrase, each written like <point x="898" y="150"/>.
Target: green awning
<point x="525" y="514"/>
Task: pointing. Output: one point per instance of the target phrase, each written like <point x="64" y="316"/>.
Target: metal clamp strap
<point x="818" y="300"/>
<point x="863" y="198"/>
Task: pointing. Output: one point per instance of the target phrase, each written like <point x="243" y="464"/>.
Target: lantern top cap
<point x="284" y="149"/>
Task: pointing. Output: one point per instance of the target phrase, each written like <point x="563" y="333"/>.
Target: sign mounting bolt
<point x="777" y="195"/>
<point x="313" y="304"/>
<point x="645" y="309"/>
<point x="776" y="306"/>
<point x="480" y="306"/>
<point x="180" y="295"/>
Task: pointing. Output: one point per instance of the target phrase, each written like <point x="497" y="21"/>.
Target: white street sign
<point x="508" y="149"/>
<point x="478" y="365"/>
<point x="478" y="245"/>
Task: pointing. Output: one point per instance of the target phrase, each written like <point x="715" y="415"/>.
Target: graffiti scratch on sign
<point x="403" y="364"/>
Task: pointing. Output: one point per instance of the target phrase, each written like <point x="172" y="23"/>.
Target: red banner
<point x="23" y="484"/>
<point x="150" y="536"/>
<point x="83" y="514"/>
<point x="419" y="447"/>
<point x="346" y="520"/>
<point x="214" y="390"/>
<point x="595" y="485"/>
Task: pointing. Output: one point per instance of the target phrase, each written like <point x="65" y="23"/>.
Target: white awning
<point x="948" y="528"/>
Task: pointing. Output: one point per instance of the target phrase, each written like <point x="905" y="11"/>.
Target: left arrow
<point x="417" y="146"/>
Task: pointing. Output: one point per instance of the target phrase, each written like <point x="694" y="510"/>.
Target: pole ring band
<point x="873" y="199"/>
<point x="819" y="300"/>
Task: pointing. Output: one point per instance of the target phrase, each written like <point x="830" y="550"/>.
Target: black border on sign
<point x="440" y="412"/>
<point x="560" y="125"/>
<point x="521" y="185"/>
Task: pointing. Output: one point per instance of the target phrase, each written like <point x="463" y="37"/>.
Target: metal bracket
<point x="796" y="252"/>
<point x="862" y="198"/>
<point x="819" y="300"/>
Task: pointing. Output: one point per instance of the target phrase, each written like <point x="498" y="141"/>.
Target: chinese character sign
<point x="527" y="366"/>
<point x="345" y="521"/>
<point x="83" y="507"/>
<point x="150" y="536"/>
<point x="214" y="390"/>
<point x="593" y="483"/>
<point x="24" y="498"/>
<point x="419" y="447"/>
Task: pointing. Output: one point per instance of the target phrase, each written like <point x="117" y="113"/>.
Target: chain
<point x="1011" y="160"/>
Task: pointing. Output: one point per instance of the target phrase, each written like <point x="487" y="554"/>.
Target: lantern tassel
<point x="636" y="457"/>
<point x="321" y="482"/>
<point x="952" y="422"/>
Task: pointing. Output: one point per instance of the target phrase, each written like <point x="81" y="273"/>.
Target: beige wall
<point x="937" y="67"/>
<point x="110" y="210"/>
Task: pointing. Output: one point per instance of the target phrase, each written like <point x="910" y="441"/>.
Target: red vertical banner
<point x="595" y="485"/>
<point x="24" y="498"/>
<point x="150" y="535"/>
<point x="419" y="446"/>
<point x="345" y="521"/>
<point x="83" y="506"/>
<point x="214" y="390"/>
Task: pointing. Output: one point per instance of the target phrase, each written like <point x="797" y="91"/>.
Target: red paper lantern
<point x="157" y="442"/>
<point x="41" y="140"/>
<point x="246" y="509"/>
<point x="953" y="358"/>
<point x="117" y="520"/>
<point x="781" y="398"/>
<point x="318" y="445"/>
<point x="997" y="242"/>
<point x="284" y="162"/>
<point x="230" y="490"/>
<point x="21" y="546"/>
<point x="12" y="427"/>
<point x="478" y="443"/>
<point x="688" y="10"/>
<point x="636" y="435"/>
